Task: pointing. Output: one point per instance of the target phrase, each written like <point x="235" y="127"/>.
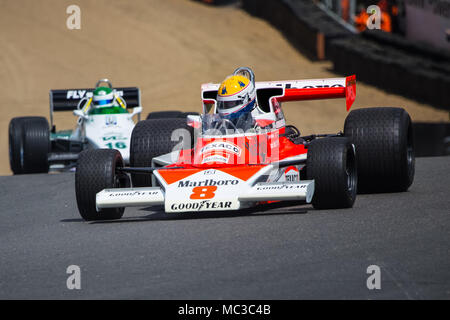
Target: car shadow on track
<point x="158" y="213"/>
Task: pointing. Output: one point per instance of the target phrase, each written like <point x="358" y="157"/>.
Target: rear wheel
<point x="96" y="170"/>
<point x="29" y="145"/>
<point x="383" y="138"/>
<point x="331" y="163"/>
<point x="15" y="136"/>
<point x="155" y="137"/>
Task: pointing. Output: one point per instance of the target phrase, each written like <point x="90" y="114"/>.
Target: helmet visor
<point x="226" y="105"/>
<point x="103" y="102"/>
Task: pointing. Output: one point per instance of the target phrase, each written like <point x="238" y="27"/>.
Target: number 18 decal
<point x="200" y="193"/>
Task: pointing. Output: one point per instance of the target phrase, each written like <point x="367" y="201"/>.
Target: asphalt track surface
<point x="279" y="253"/>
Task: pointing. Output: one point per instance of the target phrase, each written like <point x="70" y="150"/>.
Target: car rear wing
<point x="292" y="90"/>
<point x="321" y="89"/>
<point x="68" y="99"/>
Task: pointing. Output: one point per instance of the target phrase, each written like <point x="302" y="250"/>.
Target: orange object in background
<point x="361" y="20"/>
<point x="345" y="7"/>
<point x="385" y="23"/>
<point x="394" y="10"/>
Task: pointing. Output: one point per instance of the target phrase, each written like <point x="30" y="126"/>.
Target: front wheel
<point x="331" y="163"/>
<point x="96" y="170"/>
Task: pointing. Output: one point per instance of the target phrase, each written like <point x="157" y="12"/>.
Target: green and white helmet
<point x="103" y="97"/>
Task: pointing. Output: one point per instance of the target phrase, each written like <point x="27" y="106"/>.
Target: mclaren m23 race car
<point x="205" y="164"/>
<point x="36" y="147"/>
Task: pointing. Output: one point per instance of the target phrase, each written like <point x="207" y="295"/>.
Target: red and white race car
<point x="207" y="163"/>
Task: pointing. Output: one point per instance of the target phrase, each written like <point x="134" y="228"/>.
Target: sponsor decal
<point x="111" y="120"/>
<point x="108" y="138"/>
<point x="215" y="158"/>
<point x="79" y="94"/>
<point x="221" y="145"/>
<point x="289" y="86"/>
<point x="291" y="175"/>
<point x="281" y="187"/>
<point x="134" y="193"/>
<point x="323" y="86"/>
<point x="201" y="205"/>
<point x="207" y="182"/>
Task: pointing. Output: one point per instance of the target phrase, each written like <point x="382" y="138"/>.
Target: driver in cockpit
<point x="236" y="99"/>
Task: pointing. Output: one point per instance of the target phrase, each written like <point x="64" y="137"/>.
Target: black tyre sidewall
<point x="405" y="175"/>
<point x="169" y="114"/>
<point x="15" y="139"/>
<point x="382" y="137"/>
<point x="152" y="138"/>
<point x="326" y="164"/>
<point x="96" y="170"/>
<point x="164" y="114"/>
<point x="36" y="144"/>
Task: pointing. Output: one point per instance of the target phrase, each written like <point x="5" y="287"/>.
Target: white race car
<point x="36" y="147"/>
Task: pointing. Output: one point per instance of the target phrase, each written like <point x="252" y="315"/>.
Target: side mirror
<point x="194" y="121"/>
<point x="136" y="111"/>
<point x="265" y="119"/>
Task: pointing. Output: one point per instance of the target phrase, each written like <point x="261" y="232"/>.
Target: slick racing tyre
<point x="155" y="137"/>
<point x="169" y="114"/>
<point x="331" y="163"/>
<point x="29" y="145"/>
<point x="15" y="136"/>
<point x="383" y="138"/>
<point x="96" y="170"/>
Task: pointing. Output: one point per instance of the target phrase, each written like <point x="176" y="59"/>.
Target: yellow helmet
<point x="236" y="95"/>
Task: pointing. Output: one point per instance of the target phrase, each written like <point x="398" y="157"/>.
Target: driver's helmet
<point x="103" y="97"/>
<point x="236" y="97"/>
